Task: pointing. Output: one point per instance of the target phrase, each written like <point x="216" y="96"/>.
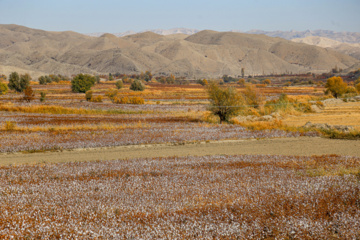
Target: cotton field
<point x="211" y="197"/>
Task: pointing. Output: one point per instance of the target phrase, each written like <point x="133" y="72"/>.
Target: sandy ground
<point x="302" y="146"/>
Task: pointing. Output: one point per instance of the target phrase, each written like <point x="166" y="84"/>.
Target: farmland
<point x="72" y="168"/>
<point x="226" y="197"/>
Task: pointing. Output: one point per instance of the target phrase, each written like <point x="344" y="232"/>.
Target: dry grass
<point x="342" y="114"/>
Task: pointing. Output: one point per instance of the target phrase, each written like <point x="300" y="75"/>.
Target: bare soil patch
<point x="301" y="146"/>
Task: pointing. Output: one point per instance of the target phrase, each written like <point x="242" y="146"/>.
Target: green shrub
<point x="19" y="83"/>
<point x="137" y="86"/>
<point x="119" y="84"/>
<point x="82" y="83"/>
<point x="224" y="102"/>
<point x="42" y="96"/>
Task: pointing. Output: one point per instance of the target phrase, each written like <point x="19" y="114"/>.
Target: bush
<point x="136" y="100"/>
<point x="358" y="87"/>
<point x="335" y="86"/>
<point x="42" y="96"/>
<point x="3" y="88"/>
<point x="98" y="98"/>
<point x="122" y="100"/>
<point x="224" y="102"/>
<point x="82" y="83"/>
<point x="119" y="84"/>
<point x="253" y="97"/>
<point x="88" y="95"/>
<point x="28" y="94"/>
<point x="137" y="86"/>
<point x="9" y="126"/>
<point x="17" y="83"/>
<point x="111" y="94"/>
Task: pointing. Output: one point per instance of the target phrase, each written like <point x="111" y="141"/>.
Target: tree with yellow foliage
<point x="336" y="86"/>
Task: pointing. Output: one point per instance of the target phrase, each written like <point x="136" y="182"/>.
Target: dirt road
<point x="303" y="146"/>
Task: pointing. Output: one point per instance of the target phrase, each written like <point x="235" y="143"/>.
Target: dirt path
<point x="303" y="146"/>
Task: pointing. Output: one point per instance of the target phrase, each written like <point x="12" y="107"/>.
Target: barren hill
<point x="352" y="49"/>
<point x="204" y="54"/>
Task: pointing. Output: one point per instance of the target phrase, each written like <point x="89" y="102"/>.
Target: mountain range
<point x="345" y="37"/>
<point x="202" y="54"/>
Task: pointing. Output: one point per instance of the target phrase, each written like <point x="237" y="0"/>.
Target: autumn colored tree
<point x="253" y="96"/>
<point x="241" y="82"/>
<point x="29" y="94"/>
<point x="224" y="102"/>
<point x="3" y="88"/>
<point x="267" y="81"/>
<point x="336" y="86"/>
<point x="358" y="87"/>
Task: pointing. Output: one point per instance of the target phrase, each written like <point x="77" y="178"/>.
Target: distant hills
<point x="202" y="54"/>
<point x="345" y="37"/>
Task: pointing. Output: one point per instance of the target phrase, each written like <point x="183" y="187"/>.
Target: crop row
<point x="210" y="197"/>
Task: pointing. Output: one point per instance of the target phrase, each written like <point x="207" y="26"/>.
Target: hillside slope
<point x="204" y="54"/>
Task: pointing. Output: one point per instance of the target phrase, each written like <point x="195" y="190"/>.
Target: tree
<point x="267" y="81"/>
<point x="88" y="95"/>
<point x="3" y="88"/>
<point x="42" y="96"/>
<point x="242" y="72"/>
<point x="358" y="87"/>
<point x="335" y="86"/>
<point x="82" y="83"/>
<point x="252" y="96"/>
<point x="119" y="84"/>
<point x="17" y="83"/>
<point x="97" y="78"/>
<point x="224" y="102"/>
<point x="241" y="82"/>
<point x="28" y="94"/>
<point x="148" y="76"/>
<point x="137" y="85"/>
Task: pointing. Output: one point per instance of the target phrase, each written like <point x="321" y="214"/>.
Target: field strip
<point x="301" y="146"/>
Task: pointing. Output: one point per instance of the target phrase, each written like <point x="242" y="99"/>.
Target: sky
<point x="91" y="16"/>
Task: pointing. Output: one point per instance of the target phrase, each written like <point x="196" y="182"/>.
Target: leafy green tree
<point x="336" y="86"/>
<point x="82" y="83"/>
<point x="224" y="102"/>
<point x="19" y="83"/>
<point x="119" y="84"/>
<point x="137" y="85"/>
<point x="3" y="88"/>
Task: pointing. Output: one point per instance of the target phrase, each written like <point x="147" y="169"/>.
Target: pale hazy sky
<point x="88" y="16"/>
